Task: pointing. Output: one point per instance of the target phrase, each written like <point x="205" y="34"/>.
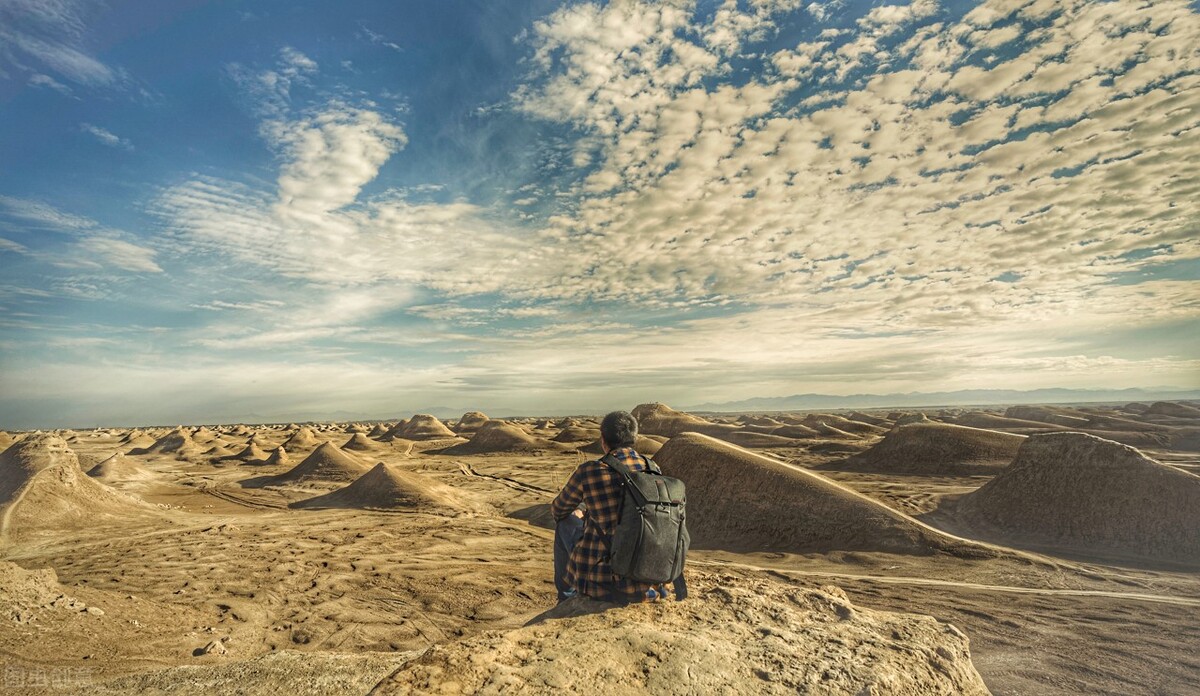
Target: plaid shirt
<point x="600" y="489"/>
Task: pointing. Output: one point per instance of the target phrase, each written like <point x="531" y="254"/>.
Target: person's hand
<point x="578" y="513"/>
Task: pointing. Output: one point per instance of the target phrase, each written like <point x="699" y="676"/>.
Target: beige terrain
<point x="1010" y="551"/>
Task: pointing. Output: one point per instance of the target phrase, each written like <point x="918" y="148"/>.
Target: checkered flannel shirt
<point x="599" y="488"/>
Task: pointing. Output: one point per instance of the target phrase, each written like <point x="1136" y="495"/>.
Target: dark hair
<point x="619" y="429"/>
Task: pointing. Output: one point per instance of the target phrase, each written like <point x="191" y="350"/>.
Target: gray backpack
<point x="650" y="541"/>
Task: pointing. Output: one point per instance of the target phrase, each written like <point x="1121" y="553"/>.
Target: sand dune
<point x="501" y="436"/>
<point x="218" y="451"/>
<point x="326" y="463"/>
<point x="138" y="440"/>
<point x="868" y="418"/>
<point x="1047" y="414"/>
<point x="388" y="488"/>
<point x="576" y="433"/>
<point x="302" y="438"/>
<point x="795" y="431"/>
<point x="742" y="501"/>
<point x="747" y="438"/>
<point x="359" y="442"/>
<point x="42" y="486"/>
<point x="841" y="425"/>
<point x="279" y="455"/>
<point x="332" y="594"/>
<point x="1083" y="493"/>
<point x="937" y="449"/>
<point x="908" y="418"/>
<point x="251" y="453"/>
<point x="645" y="445"/>
<point x="724" y="640"/>
<point x="470" y="422"/>
<point x="660" y="419"/>
<point x="1168" y="408"/>
<point x="421" y="427"/>
<point x="118" y="468"/>
<point x="378" y="431"/>
<point x="992" y="421"/>
<point x="178" y="442"/>
<point x="203" y="435"/>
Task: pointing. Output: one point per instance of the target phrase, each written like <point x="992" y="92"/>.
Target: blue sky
<point x="214" y="211"/>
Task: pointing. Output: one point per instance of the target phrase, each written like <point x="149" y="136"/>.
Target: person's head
<point x="617" y="430"/>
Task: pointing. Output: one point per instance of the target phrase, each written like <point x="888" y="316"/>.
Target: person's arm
<point x="570" y="497"/>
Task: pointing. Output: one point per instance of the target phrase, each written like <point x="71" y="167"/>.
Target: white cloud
<point x="876" y="203"/>
<point x="51" y="35"/>
<point x="45" y="216"/>
<point x="330" y="156"/>
<point x="109" y="251"/>
<point x="40" y="80"/>
<point x="271" y="90"/>
<point x="11" y="246"/>
<point x="89" y="245"/>
<point x="106" y="137"/>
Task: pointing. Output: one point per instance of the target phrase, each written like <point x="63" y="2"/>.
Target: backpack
<point x="650" y="541"/>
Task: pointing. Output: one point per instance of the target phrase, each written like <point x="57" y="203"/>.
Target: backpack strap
<point x="627" y="477"/>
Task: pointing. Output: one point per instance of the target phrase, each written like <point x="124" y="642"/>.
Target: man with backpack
<point x="634" y="541"/>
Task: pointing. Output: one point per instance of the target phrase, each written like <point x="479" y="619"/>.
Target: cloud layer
<point x="751" y="199"/>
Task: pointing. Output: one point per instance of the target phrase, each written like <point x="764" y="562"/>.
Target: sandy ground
<point x="364" y="591"/>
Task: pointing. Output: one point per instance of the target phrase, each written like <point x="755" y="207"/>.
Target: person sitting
<point x="591" y="499"/>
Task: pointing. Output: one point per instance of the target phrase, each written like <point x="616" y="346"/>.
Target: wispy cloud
<point x="40" y="80"/>
<point x="42" y="36"/>
<point x="89" y="245"/>
<point x="270" y="90"/>
<point x="106" y="137"/>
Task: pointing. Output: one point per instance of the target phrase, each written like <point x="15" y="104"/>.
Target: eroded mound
<point x="842" y="425"/>
<point x="660" y="419"/>
<point x="1055" y="415"/>
<point x="501" y="436"/>
<point x="421" y="427"/>
<point x="118" y="468"/>
<point x="1170" y="408"/>
<point x="644" y="445"/>
<point x="251" y="453"/>
<point x="326" y="463"/>
<point x="41" y="486"/>
<point x="743" y="437"/>
<point x="279" y="455"/>
<point x="575" y="433"/>
<point x="359" y="442"/>
<point x="936" y="449"/>
<point x="742" y="501"/>
<point x="1083" y="493"/>
<point x="388" y="488"/>
<point x="303" y="438"/>
<point x="470" y="422"/>
<point x="178" y="442"/>
<point x="750" y="637"/>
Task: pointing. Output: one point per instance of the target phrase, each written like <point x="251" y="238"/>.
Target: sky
<point x="219" y="211"/>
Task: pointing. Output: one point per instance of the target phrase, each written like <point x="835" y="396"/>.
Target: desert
<point x="412" y="561"/>
<point x="824" y="347"/>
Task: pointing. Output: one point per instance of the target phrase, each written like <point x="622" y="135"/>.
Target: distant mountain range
<point x="965" y="397"/>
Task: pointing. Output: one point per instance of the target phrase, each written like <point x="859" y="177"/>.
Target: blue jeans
<point x="567" y="533"/>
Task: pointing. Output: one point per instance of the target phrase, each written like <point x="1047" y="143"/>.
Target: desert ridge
<point x="43" y="489"/>
<point x="413" y="554"/>
<point x="742" y="501"/>
<point x="1082" y="493"/>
